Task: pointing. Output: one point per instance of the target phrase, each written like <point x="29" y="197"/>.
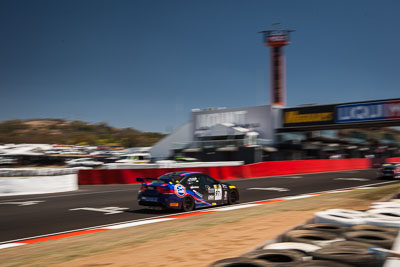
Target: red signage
<point x="392" y="110"/>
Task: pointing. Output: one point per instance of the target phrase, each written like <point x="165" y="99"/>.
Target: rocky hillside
<point x="59" y="131"/>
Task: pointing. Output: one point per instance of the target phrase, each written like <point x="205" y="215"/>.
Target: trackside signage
<point x="393" y="109"/>
<point x="381" y="111"/>
<point x="368" y="112"/>
<point x="306" y="116"/>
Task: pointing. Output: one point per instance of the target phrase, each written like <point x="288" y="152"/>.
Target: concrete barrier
<point x="393" y="160"/>
<point x="170" y="164"/>
<point x="11" y="186"/>
<point x="28" y="181"/>
<point x="262" y="169"/>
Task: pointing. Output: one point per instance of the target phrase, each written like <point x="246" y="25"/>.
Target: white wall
<point x="38" y="184"/>
<point x="162" y="149"/>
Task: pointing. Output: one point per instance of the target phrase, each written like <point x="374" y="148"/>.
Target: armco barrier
<point x="261" y="169"/>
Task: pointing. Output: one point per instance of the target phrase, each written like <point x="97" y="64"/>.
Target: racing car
<point x="185" y="191"/>
<point x="390" y="170"/>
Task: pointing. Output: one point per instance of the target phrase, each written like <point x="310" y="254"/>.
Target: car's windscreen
<point x="169" y="177"/>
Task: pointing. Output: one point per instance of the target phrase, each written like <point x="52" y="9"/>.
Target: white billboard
<point x="258" y="119"/>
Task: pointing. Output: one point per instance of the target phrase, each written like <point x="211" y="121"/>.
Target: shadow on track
<point x="153" y="211"/>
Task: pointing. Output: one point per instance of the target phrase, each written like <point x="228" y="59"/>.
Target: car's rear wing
<point x="143" y="180"/>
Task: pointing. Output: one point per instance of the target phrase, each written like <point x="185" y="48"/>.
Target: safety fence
<point x="261" y="169"/>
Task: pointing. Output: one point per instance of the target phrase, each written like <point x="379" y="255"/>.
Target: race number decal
<point x="180" y="190"/>
<point x="218" y="192"/>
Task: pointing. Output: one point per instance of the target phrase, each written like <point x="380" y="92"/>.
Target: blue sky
<point x="146" y="63"/>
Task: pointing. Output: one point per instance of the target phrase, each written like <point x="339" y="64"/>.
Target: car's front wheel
<point x="233" y="197"/>
<point x="188" y="204"/>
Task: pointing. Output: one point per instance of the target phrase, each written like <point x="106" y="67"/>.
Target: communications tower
<point x="276" y="39"/>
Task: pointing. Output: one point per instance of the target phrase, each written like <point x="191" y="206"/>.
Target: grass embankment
<point x="197" y="240"/>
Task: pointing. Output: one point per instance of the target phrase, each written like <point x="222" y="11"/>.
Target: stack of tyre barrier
<point x="335" y="237"/>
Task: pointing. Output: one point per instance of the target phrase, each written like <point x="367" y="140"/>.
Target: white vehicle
<point x="85" y="162"/>
<point x="135" y="158"/>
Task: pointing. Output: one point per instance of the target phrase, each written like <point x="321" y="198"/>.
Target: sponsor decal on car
<point x="218" y="192"/>
<point x="152" y="199"/>
<point x="180" y="190"/>
<point x="210" y="190"/>
<point x="197" y="193"/>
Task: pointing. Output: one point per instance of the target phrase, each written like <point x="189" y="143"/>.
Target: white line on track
<point x="353" y="179"/>
<point x="236" y="207"/>
<point x="24" y="203"/>
<point x="381" y="183"/>
<point x="105" y="210"/>
<point x="10" y="245"/>
<point x="269" y="189"/>
<point x="125" y="225"/>
<point x="298" y="197"/>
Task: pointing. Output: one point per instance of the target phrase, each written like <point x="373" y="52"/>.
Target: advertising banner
<point x="308" y="116"/>
<point x="385" y="111"/>
<point x="393" y="110"/>
<point x="360" y="112"/>
<point x="368" y="112"/>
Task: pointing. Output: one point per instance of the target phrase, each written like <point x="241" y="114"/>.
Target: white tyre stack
<point x="344" y="217"/>
<point x="386" y="214"/>
<point x="303" y="247"/>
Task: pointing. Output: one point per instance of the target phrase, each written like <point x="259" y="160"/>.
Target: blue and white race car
<point x="185" y="191"/>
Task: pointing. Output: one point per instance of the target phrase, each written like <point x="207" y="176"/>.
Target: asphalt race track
<point x="24" y="217"/>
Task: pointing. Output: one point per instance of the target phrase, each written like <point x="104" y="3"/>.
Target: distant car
<point x="185" y="191"/>
<point x="390" y="170"/>
<point x="135" y="158"/>
<point x="84" y="162"/>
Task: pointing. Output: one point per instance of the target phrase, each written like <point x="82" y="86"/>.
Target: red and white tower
<point x="276" y="39"/>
